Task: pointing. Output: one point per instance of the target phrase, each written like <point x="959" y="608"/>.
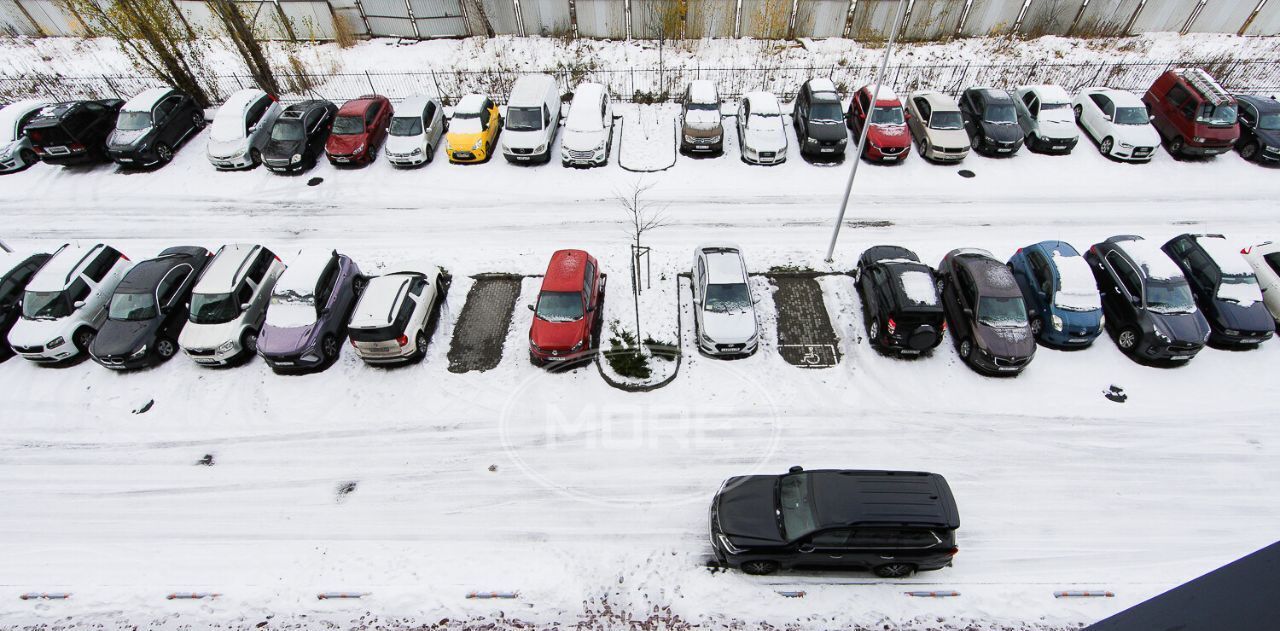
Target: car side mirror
<point x="591" y="308"/>
<point x="78" y="304"/>
<point x="968" y="312"/>
<point x="1032" y="312"/>
<point x="530" y="307"/>
<point x="253" y="129"/>
<point x="806" y="548"/>
<point x="906" y="115"/>
<point x="244" y="306"/>
<point x="1151" y="118"/>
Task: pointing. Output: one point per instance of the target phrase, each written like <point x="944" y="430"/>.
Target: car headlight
<point x="1057" y="323"/>
<point x="56" y="342"/>
<point x="751" y="151"/>
<point x="139" y="353"/>
<point x="359" y="149"/>
<point x="541" y="148"/>
<point x="1102" y="321"/>
<point x="989" y="139"/>
<point x="1125" y="145"/>
<point x="227" y="347"/>
<point x="600" y="147"/>
<point x="1231" y="332"/>
<point x="1198" y="139"/>
<point x="842" y="140"/>
<point x="706" y="338"/>
<point x="417" y="151"/>
<point x="1159" y="334"/>
<point x="479" y="143"/>
<point x="297" y="157"/>
<point x="713" y="139"/>
<point x="1273" y="149"/>
<point x="688" y="138"/>
<point x="577" y="347"/>
<point x="311" y="356"/>
<point x="7" y="150"/>
<point x="727" y="545"/>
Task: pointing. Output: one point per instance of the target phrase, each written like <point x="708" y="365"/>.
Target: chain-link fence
<point x="662" y="84"/>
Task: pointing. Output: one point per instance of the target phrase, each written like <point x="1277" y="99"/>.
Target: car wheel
<point x="249" y="342"/>
<point x="197" y="120"/>
<point x="420" y="344"/>
<point x="83" y="339"/>
<point x="1107" y="145"/>
<point x="329" y="347"/>
<point x="29" y="157"/>
<point x="1127" y="339"/>
<point x="1079" y="112"/>
<point x="894" y="570"/>
<point x="165" y="348"/>
<point x="873" y="330"/>
<point x="164" y="153"/>
<point x="1176" y="146"/>
<point x="1037" y="325"/>
<point x="760" y="568"/>
<point x="966" y="349"/>
<point x="255" y="157"/>
<point x="1249" y="151"/>
<point x="975" y="142"/>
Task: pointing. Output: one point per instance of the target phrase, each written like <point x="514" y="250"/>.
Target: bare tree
<point x="642" y="216"/>
<point x="246" y="43"/>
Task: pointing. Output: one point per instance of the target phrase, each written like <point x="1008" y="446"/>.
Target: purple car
<point x="307" y="318"/>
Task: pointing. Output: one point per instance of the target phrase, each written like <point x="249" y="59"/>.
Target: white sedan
<point x="1118" y="121"/>
<point x="724" y="312"/>
<point x="762" y="136"/>
<point x="1265" y="260"/>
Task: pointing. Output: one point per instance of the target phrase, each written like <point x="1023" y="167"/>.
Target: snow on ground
<point x="575" y="494"/>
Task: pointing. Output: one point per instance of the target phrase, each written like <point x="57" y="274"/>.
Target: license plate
<point x="1058" y="147"/>
<point x="557" y="359"/>
<point x="57" y="150"/>
<point x="1007" y="368"/>
<point x="526" y="158"/>
<point x="910" y="352"/>
<point x="890" y="158"/>
<point x="125" y="159"/>
<point x="284" y="363"/>
<point x="1180" y="358"/>
<point x="340" y="160"/>
<point x="1003" y="150"/>
<point x="827" y="149"/>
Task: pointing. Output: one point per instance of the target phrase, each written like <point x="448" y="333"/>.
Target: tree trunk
<point x="246" y="43"/>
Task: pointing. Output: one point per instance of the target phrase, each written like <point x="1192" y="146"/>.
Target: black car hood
<point x="120" y="139"/>
<point x="283" y="149"/>
<point x="822" y="130"/>
<point x="1233" y="315"/>
<point x="747" y="508"/>
<point x="122" y="337"/>
<point x="1002" y="132"/>
<point x="1183" y="328"/>
<point x="1006" y="341"/>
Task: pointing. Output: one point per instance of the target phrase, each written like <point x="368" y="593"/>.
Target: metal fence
<point x="660" y="84"/>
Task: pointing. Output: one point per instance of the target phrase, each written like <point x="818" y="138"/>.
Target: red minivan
<point x="1194" y="115"/>
<point x="358" y="130"/>
<point x="888" y="140"/>
<point x="567" y="316"/>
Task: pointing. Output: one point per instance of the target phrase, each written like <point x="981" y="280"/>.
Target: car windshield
<point x="763" y="120"/>
<point x="1047" y="106"/>
<point x="348" y="125"/>
<point x="796" y="505"/>
<point x="946" y="120"/>
<point x="702" y="107"/>
<point x="1132" y="116"/>
<point x="1269" y="122"/>
<point x="524" y="118"/>
<point x="132" y="306"/>
<point x="826" y="111"/>
<point x="406" y="126"/>
<point x="213" y="308"/>
<point x="1000" y="113"/>
<point x="1218" y="115"/>
<point x="1240" y="288"/>
<point x="559" y="306"/>
<point x="887" y="116"/>
<point x="133" y="121"/>
<point x="727" y="298"/>
<point x="290" y="308"/>
<point x="287" y="130"/>
<point x="1169" y="296"/>
<point x="465" y="123"/>
<point x="1002" y="312"/>
<point x="45" y="305"/>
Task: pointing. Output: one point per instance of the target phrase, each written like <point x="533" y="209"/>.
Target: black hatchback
<point x="12" y="284"/>
<point x="991" y="119"/>
<point x="298" y="136"/>
<point x="900" y="305"/>
<point x="148" y="309"/>
<point x="893" y="523"/>
<point x="74" y="132"/>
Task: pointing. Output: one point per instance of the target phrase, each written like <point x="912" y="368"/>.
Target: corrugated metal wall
<point x="1165" y="15"/>
<point x="1223" y="16"/>
<point x="872" y="19"/>
<point x="439" y="18"/>
<point x="1049" y="17"/>
<point x="933" y="19"/>
<point x="500" y="15"/>
<point x="649" y="16"/>
<point x="53" y="20"/>
<point x="991" y="17"/>
<point x="605" y="19"/>
<point x="766" y="19"/>
<point x="13" y="22"/>
<point x="1105" y="18"/>
<point x="1268" y="20"/>
<point x="548" y="18"/>
<point x="710" y="18"/>
<point x="310" y="20"/>
<point x="821" y="18"/>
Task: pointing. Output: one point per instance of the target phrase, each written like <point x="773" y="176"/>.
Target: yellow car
<point x="473" y="130"/>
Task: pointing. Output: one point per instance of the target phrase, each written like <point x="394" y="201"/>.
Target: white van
<point x="533" y="116"/>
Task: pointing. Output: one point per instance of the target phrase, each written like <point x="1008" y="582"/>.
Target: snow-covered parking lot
<point x="591" y="502"/>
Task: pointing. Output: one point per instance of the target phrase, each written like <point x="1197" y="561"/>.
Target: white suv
<point x="393" y="321"/>
<point x="228" y="305"/>
<point x="723" y="311"/>
<point x="66" y="302"/>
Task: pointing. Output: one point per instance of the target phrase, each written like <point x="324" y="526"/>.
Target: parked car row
<point x="1185" y="109"/>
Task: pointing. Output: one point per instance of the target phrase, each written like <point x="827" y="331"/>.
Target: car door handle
<point x="885" y="557"/>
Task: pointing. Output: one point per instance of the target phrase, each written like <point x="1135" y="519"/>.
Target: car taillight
<point x="403" y="339"/>
<point x="944" y="325"/>
<point x="75" y="147"/>
<point x="123" y="256"/>
<point x="353" y="343"/>
<point x="893" y="326"/>
<point x="953" y="551"/>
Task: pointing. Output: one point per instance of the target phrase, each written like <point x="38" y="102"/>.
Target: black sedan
<point x="148" y="309"/>
<point x="1225" y="289"/>
<point x="991" y="119"/>
<point x="1259" y="129"/>
<point x="152" y="125"/>
<point x="900" y="305"/>
<point x="12" y="283"/>
<point x="985" y="312"/>
<point x="298" y="136"/>
<point x="893" y="523"/>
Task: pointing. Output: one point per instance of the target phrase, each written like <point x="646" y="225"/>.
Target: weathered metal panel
<point x="872" y="19"/>
<point x="606" y="19"/>
<point x="1268" y="20"/>
<point x="198" y="15"/>
<point x="264" y="18"/>
<point x="1165" y="15"/>
<point x="652" y="19"/>
<point x="933" y="19"/>
<point x="1049" y="17"/>
<point x="13" y="22"/>
<point x="498" y="15"/>
<point x="390" y="27"/>
<point x="53" y="19"/>
<point x="1223" y="16"/>
<point x="992" y="17"/>
<point x="710" y="18"/>
<point x="548" y="18"/>
<point x="1105" y="18"/>
<point x="821" y="18"/>
<point x="439" y="18"/>
<point x="310" y="20"/>
<point x="765" y="19"/>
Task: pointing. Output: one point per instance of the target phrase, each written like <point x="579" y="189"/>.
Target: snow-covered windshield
<point x="227" y="125"/>
<point x="1131" y="116"/>
<point x="41" y="305"/>
<point x="1270" y="122"/>
<point x="1169" y="296"/>
<point x="524" y="119"/>
<point x="465" y="123"/>
<point x="946" y="120"/>
<point x="213" y="308"/>
<point x="796" y="505"/>
<point x="826" y="112"/>
<point x="887" y="116"/>
<point x="1077" y="290"/>
<point x="1055" y="112"/>
<point x="348" y="125"/>
<point x="1000" y="113"/>
<point x="1217" y="115"/>
<point x="764" y="120"/>
<point x="1240" y="288"/>
<point x="559" y="306"/>
<point x="917" y="286"/>
<point x="290" y="308"/>
<point x="133" y="121"/>
<point x="287" y="130"/>
<point x="727" y="298"/>
<point x="132" y="306"/>
<point x="406" y="126"/>
<point x="1002" y="312"/>
<point x="702" y="107"/>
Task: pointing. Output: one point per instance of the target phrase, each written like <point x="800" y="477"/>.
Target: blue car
<point x="1063" y="304"/>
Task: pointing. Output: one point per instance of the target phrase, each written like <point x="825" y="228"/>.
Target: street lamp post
<point x="866" y="126"/>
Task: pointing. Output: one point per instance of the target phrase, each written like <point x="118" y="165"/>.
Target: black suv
<point x="1259" y="129"/>
<point x="1146" y="300"/>
<point x="890" y="522"/>
<point x="819" y="120"/>
<point x="991" y="119"/>
<point x="12" y="283"/>
<point x="900" y="305"/>
<point x="986" y="313"/>
<point x="152" y="125"/>
<point x="147" y="310"/>
<point x="74" y="132"/>
<point x="1225" y="289"/>
<point x="298" y="136"/>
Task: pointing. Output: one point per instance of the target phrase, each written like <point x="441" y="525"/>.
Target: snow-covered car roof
<point x="226" y="268"/>
<point x="1077" y="288"/>
<point x="762" y="102"/>
<point x="584" y="113"/>
<point x="53" y="276"/>
<point x="725" y="267"/>
<point x="916" y="284"/>
<point x="885" y="93"/>
<point x="565" y="270"/>
<point x="822" y="84"/>
<point x="471" y="103"/>
<point x="380" y="300"/>
<point x="12" y="113"/>
<point x="228" y="122"/>
<point x="703" y="91"/>
<point x="1148" y="256"/>
<point x="412" y="106"/>
<point x="1228" y="256"/>
<point x="1121" y="98"/>
<point x="938" y="102"/>
<point x="1049" y="93"/>
<point x="531" y="89"/>
<point x="304" y="272"/>
<point x="145" y="100"/>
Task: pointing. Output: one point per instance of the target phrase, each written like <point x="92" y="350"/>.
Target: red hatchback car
<point x="358" y="130"/>
<point x="567" y="317"/>
<point x="1194" y="115"/>
<point x="888" y="140"/>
